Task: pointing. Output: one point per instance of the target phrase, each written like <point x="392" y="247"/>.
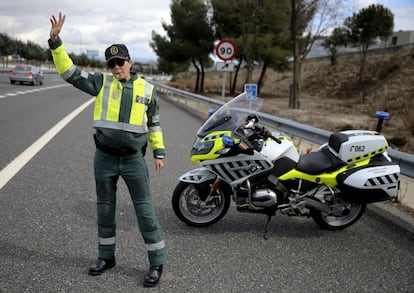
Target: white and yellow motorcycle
<point x="263" y="172"/>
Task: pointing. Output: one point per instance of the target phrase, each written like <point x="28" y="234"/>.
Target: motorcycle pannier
<point x="356" y="145"/>
<point x="370" y="183"/>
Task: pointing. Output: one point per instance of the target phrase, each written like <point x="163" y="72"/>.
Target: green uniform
<point x="126" y="117"/>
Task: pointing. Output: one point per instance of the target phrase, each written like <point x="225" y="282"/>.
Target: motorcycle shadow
<point x="236" y="222"/>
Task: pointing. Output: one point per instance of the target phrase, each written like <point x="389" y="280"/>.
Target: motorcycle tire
<point x="189" y="206"/>
<point x="338" y="222"/>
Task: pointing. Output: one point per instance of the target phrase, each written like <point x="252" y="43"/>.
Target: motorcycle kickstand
<point x="269" y="217"/>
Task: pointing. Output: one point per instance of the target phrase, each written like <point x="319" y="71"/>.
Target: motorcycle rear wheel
<point x="189" y="206"/>
<point x="339" y="220"/>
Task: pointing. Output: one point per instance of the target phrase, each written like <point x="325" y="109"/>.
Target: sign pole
<point x="223" y="88"/>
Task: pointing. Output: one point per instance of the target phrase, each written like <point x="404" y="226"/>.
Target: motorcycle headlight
<point x="201" y="148"/>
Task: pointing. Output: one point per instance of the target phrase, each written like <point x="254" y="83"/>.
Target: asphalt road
<point x="48" y="230"/>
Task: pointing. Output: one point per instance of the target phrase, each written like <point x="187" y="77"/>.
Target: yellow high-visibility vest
<point x="108" y="105"/>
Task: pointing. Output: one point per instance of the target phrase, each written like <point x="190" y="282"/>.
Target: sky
<point x="96" y="24"/>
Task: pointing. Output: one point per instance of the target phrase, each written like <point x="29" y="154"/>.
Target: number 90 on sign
<point x="226" y="50"/>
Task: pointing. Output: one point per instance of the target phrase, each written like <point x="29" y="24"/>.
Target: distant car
<point x="26" y="73"/>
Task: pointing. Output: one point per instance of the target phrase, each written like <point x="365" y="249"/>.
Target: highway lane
<point x="48" y="232"/>
<point x="27" y="112"/>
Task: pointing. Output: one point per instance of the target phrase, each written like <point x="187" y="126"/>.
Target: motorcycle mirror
<point x="253" y="117"/>
<point x="250" y="124"/>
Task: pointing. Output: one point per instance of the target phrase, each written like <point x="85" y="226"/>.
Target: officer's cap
<point x="118" y="51"/>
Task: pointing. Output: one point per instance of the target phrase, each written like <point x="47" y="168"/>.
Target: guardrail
<point x="309" y="133"/>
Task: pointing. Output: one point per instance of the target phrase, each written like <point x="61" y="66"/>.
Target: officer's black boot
<point x="101" y="265"/>
<point x="153" y="276"/>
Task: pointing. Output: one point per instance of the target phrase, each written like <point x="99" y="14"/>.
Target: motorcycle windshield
<point x="228" y="116"/>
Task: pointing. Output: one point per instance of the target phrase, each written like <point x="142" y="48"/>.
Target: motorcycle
<point x="262" y="171"/>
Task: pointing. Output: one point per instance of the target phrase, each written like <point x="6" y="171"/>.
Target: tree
<point x="189" y="37"/>
<point x="256" y="27"/>
<point x="309" y="20"/>
<point x="302" y="12"/>
<point x="338" y="38"/>
<point x="375" y="21"/>
<point x="172" y="55"/>
<point x="171" y="67"/>
<point x="272" y="44"/>
<point x="236" y="20"/>
<point x="32" y="51"/>
<point x="227" y="24"/>
<point x="5" y="47"/>
<point x="272" y="53"/>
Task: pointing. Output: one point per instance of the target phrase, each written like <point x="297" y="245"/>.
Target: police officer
<point x="126" y="116"/>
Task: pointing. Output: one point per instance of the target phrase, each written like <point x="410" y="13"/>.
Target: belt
<point x="113" y="150"/>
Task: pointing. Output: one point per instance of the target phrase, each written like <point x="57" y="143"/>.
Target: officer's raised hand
<point x="57" y="25"/>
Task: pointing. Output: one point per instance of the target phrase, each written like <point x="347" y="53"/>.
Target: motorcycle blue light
<point x="382" y="115"/>
<point x="227" y="141"/>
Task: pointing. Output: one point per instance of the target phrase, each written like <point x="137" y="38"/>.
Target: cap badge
<point x="114" y="50"/>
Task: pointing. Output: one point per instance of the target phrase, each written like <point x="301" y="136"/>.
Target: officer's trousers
<point x="133" y="170"/>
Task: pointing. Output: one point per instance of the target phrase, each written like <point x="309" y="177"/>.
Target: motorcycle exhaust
<point x="316" y="205"/>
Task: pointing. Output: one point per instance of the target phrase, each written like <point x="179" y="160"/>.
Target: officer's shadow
<point x="21" y="255"/>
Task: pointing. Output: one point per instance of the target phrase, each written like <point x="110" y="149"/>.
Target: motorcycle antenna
<point x="381" y="115"/>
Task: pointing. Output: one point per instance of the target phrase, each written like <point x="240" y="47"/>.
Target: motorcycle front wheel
<point x="341" y="217"/>
<point x="189" y="206"/>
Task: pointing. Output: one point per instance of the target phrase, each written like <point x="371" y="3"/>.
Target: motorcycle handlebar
<point x="275" y="139"/>
<point x="260" y="131"/>
<point x="263" y="131"/>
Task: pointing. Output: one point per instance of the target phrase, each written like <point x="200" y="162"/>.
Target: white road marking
<point x="20" y="161"/>
<point x="3" y="96"/>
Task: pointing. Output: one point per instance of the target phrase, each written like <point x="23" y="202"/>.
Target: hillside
<point x="332" y="98"/>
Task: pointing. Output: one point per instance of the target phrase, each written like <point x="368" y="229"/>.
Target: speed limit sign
<point x="226" y="50"/>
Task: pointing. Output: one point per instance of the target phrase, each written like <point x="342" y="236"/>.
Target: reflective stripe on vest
<point x="108" y="106"/>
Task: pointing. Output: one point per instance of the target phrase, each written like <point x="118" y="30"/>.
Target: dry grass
<point x="332" y="98"/>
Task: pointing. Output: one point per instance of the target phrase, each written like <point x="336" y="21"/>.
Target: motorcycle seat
<point x="318" y="162"/>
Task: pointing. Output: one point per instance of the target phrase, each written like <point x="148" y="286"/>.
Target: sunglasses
<point x="119" y="62"/>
